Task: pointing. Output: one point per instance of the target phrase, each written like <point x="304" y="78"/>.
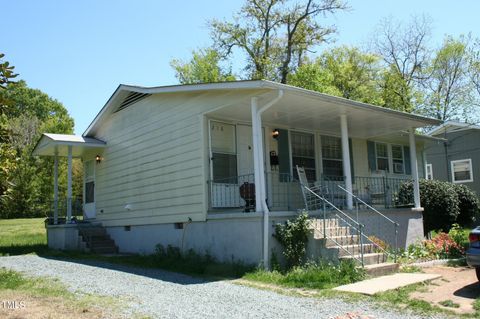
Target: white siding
<point x="155" y="159"/>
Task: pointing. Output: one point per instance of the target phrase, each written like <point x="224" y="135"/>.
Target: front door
<point x="89" y="190"/>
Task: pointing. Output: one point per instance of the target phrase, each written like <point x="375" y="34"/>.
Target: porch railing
<point x="283" y="192"/>
<point x="77" y="210"/>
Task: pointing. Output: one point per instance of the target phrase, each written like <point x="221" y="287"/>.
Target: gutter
<point x="259" y="168"/>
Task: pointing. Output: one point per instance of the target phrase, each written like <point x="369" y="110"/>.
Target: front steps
<point x="96" y="239"/>
<point x="343" y="242"/>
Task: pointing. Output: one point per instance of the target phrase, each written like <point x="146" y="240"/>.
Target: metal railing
<point x="379" y="192"/>
<point x="282" y="192"/>
<point x="358" y="201"/>
<point x="77" y="210"/>
<point x="340" y="224"/>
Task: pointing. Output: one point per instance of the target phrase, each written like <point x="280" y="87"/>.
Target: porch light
<point x="275" y="133"/>
<point x="98" y="158"/>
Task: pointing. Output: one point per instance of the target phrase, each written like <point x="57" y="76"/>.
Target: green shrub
<point x="293" y="236"/>
<point x="469" y="205"/>
<point x="439" y="199"/>
<point x="459" y="235"/>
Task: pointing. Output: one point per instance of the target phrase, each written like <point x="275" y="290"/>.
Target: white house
<point x="166" y="165"/>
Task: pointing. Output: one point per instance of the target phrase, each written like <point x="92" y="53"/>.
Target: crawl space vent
<point x="132" y="98"/>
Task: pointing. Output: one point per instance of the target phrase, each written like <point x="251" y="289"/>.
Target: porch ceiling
<point x="51" y="143"/>
<point x="300" y="109"/>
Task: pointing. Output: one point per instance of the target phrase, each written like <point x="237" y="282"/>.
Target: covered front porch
<point x="348" y="148"/>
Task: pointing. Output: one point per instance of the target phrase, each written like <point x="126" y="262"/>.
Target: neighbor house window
<point x="428" y="171"/>
<point x="224" y="152"/>
<point x="303" y="154"/>
<point x="382" y="156"/>
<point x="332" y="156"/>
<point x="462" y="171"/>
<point x="397" y="159"/>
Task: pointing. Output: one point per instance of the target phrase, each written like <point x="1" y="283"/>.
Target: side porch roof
<point x="51" y="144"/>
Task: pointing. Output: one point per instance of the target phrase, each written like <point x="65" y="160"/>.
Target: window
<point x="224" y="152"/>
<point x="428" y="171"/>
<point x="397" y="159"/>
<point x="382" y="156"/>
<point x="332" y="156"/>
<point x="89" y="192"/>
<point x="303" y="154"/>
<point x="462" y="171"/>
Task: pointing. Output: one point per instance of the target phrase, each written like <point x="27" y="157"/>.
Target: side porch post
<point x="69" y="184"/>
<point x="346" y="160"/>
<point x="413" y="160"/>
<point x="55" y="188"/>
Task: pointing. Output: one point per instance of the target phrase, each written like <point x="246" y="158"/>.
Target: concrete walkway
<point x="384" y="283"/>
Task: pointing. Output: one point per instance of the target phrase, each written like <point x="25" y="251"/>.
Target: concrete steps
<point x="343" y="242"/>
<point x="97" y="239"/>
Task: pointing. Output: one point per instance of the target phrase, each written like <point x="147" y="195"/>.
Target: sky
<point x="78" y="52"/>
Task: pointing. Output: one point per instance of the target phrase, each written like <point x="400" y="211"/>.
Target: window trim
<point x="469" y="161"/>
<point x="426" y="171"/>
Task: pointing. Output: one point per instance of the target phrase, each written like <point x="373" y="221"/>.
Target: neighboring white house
<point x="165" y="164"/>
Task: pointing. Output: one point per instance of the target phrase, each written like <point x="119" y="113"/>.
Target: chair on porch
<point x="311" y="201"/>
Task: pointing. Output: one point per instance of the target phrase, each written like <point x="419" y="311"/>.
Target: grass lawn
<point x="25" y="297"/>
<point x="22" y="236"/>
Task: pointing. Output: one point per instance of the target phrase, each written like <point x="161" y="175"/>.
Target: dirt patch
<point x="458" y="287"/>
<point x="18" y="305"/>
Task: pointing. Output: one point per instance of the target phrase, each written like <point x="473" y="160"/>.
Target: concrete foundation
<point x="64" y="237"/>
<point x="239" y="236"/>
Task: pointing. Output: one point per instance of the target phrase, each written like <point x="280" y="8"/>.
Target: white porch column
<point x="55" y="188"/>
<point x="346" y="160"/>
<point x="413" y="161"/>
<point x="256" y="162"/>
<point x="69" y="185"/>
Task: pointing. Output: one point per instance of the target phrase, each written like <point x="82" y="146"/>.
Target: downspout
<point x="259" y="168"/>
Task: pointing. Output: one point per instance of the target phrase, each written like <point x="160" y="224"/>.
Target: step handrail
<point x="333" y="206"/>
<point x="396" y="225"/>
<point x="358" y="227"/>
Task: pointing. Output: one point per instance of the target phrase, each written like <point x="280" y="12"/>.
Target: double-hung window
<point x="397" y="159"/>
<point x="382" y="156"/>
<point x="462" y="171"/>
<point x="303" y="154"/>
<point x="332" y="156"/>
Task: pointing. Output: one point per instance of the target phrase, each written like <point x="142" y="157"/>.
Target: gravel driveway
<point x="162" y="294"/>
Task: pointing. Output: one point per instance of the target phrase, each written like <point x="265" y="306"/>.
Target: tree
<point x="31" y="113"/>
<point x="344" y="71"/>
<point x="448" y="86"/>
<point x="204" y="67"/>
<point x="7" y="156"/>
<point x="405" y="52"/>
<point x="275" y="35"/>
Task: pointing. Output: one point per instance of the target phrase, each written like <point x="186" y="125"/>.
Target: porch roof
<point x="307" y="110"/>
<point x="50" y="143"/>
<point x="299" y="108"/>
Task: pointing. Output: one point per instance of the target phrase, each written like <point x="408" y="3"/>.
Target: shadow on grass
<point x="194" y="269"/>
<point x="14" y="250"/>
